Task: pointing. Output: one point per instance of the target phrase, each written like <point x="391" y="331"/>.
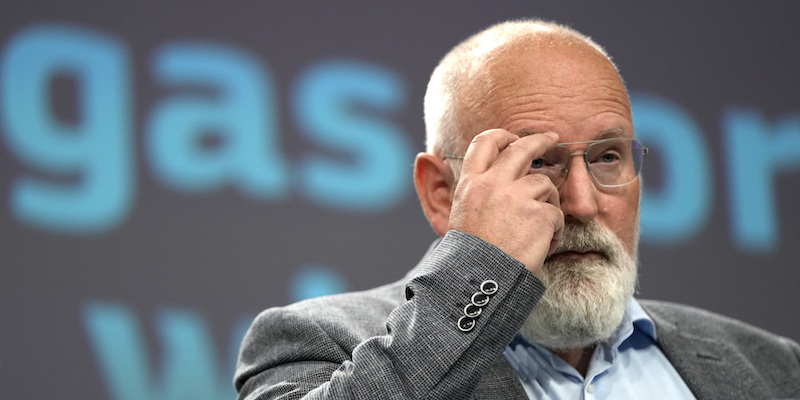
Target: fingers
<point x="499" y="201"/>
<point x="507" y="155"/>
<point x="517" y="157"/>
<point x="539" y="188"/>
<point x="484" y="149"/>
<point x="557" y="236"/>
<point x="558" y="232"/>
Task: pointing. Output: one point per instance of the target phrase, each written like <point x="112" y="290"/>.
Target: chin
<point x="588" y="287"/>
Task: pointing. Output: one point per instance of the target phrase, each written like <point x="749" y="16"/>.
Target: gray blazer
<point x="402" y="340"/>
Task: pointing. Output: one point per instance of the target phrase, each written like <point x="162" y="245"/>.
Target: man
<point x="529" y="293"/>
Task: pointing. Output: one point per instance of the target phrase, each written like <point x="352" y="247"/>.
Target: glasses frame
<point x="584" y="153"/>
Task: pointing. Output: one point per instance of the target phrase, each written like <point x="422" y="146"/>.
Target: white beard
<point x="585" y="300"/>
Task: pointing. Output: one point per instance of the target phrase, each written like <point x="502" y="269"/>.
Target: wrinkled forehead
<point x="555" y="63"/>
<point x="565" y="79"/>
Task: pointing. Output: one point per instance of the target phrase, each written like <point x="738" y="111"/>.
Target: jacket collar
<point x="709" y="366"/>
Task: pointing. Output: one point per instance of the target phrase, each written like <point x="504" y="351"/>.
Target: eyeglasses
<point x="611" y="162"/>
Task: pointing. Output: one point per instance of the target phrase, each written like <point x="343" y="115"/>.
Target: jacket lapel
<point x="710" y="368"/>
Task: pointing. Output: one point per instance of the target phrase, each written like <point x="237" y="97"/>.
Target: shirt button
<point x="590" y="388"/>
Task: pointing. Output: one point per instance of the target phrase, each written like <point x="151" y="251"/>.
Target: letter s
<point x="332" y="101"/>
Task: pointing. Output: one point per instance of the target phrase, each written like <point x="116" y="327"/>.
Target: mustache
<point x="586" y="237"/>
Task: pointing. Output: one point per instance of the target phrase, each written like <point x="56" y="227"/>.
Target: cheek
<point x="619" y="213"/>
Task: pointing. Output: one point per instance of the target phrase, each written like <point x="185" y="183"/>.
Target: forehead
<point x="569" y="88"/>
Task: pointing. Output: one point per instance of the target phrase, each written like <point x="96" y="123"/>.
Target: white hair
<point x="442" y="126"/>
<point x="585" y="300"/>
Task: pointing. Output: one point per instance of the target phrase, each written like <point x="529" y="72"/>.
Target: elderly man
<point x="531" y="179"/>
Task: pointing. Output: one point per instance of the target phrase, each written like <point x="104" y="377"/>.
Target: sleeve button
<point x="465" y="324"/>
<point x="480" y="299"/>
<point x="489" y="287"/>
<point x="472" y="310"/>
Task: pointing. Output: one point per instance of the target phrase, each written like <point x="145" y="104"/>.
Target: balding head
<point x="528" y="79"/>
<point x="458" y="98"/>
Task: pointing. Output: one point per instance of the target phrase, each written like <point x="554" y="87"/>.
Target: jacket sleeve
<point x="463" y="306"/>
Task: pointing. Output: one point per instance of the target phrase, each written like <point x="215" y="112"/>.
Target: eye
<point x="608" y="157"/>
<point x="538" y="163"/>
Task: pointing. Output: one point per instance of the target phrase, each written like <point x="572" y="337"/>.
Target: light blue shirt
<point x="629" y="366"/>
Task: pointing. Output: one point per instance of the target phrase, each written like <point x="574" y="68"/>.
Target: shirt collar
<point x="640" y="319"/>
<point x="635" y="318"/>
<point x="636" y="327"/>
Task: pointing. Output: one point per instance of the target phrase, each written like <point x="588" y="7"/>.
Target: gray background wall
<point x="169" y="169"/>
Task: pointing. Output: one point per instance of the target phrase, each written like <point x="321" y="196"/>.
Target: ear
<point x="434" y="182"/>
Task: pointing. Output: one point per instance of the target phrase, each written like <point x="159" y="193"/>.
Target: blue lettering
<point x="369" y="165"/>
<point x="88" y="184"/>
<point x="756" y="152"/>
<point x="676" y="210"/>
<point x="190" y="370"/>
<point x="241" y="116"/>
<point x="314" y="281"/>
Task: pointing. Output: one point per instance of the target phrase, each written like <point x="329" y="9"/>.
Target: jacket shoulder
<point x="715" y="353"/>
<point x="325" y="329"/>
<point x="695" y="321"/>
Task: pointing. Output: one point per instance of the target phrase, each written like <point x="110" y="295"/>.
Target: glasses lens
<point x="615" y="162"/>
<point x="612" y="162"/>
<point x="554" y="164"/>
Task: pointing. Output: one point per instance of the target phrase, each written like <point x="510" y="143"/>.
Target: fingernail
<point x="552" y="135"/>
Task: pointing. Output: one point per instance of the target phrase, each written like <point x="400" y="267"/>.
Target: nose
<point x="578" y="193"/>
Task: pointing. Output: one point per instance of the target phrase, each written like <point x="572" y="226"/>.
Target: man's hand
<point x="498" y="200"/>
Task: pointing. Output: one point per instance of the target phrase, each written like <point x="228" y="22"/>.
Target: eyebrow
<point x="610" y="133"/>
<point x="615" y="132"/>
